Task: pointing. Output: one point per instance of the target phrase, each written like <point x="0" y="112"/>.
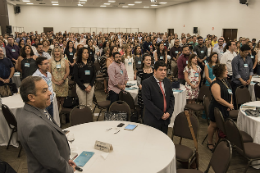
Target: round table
<point x="15" y="104"/>
<point x="144" y="150"/>
<point x="250" y="125"/>
<point x="251" y="87"/>
<point x="180" y="100"/>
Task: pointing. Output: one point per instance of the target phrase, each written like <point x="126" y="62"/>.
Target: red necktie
<point x="164" y="99"/>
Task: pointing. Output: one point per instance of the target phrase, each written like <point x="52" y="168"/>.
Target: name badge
<point x="139" y="62"/>
<point x="202" y="51"/>
<point x="121" y="71"/>
<point x="26" y="64"/>
<point x="13" y="50"/>
<point x="196" y="74"/>
<point x="252" y="56"/>
<point x="130" y="63"/>
<point x="90" y="53"/>
<point x="161" y="57"/>
<point x="176" y="51"/>
<point x="186" y="62"/>
<point x="230" y="91"/>
<point x="71" y="53"/>
<point x="87" y="72"/>
<point x="58" y="66"/>
<point x="164" y="44"/>
<point x="49" y="83"/>
<point x="246" y="65"/>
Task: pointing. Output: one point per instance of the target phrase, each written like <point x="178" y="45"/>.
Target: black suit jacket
<point x="153" y="102"/>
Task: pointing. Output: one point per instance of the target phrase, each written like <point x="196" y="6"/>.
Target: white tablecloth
<point x="180" y="100"/>
<point x="144" y="150"/>
<point x="15" y="104"/>
<point x="249" y="124"/>
<point x="251" y="87"/>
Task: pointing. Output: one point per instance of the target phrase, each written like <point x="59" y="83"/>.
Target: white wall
<point x="11" y="15"/>
<point x="34" y="18"/>
<point x="205" y="14"/>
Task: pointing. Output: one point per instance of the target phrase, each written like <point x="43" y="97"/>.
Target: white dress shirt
<point x="227" y="58"/>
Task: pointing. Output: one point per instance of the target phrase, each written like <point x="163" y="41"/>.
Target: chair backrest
<point x="9" y="117"/>
<point x="219" y="120"/>
<point x="94" y="99"/>
<point x="257" y="91"/>
<point x="242" y="95"/>
<point x="206" y="103"/>
<point x="126" y="97"/>
<point x="233" y="134"/>
<point x="97" y="66"/>
<point x="80" y="116"/>
<point x="221" y="157"/>
<point x="122" y="107"/>
<point x="204" y="91"/>
<point x="181" y="127"/>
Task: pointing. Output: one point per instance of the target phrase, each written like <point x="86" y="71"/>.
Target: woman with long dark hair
<point x="84" y="76"/>
<point x="26" y="62"/>
<point x="161" y="53"/>
<point x="213" y="60"/>
<point x="143" y="74"/>
<point x="69" y="55"/>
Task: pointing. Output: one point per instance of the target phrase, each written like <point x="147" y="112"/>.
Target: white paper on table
<point x="104" y="155"/>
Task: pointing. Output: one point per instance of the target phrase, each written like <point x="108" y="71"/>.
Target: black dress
<point x="28" y="67"/>
<point x="70" y="56"/>
<point x="143" y="76"/>
<point x="224" y="95"/>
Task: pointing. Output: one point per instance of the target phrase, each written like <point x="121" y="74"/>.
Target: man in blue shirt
<point x="6" y="69"/>
<point x="147" y="45"/>
<point x="242" y="68"/>
<point x="12" y="50"/>
<point x="43" y="71"/>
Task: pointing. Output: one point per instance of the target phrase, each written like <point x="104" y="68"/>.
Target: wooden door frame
<point x="231" y="31"/>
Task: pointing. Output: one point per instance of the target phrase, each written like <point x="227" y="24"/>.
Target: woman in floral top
<point x="192" y="78"/>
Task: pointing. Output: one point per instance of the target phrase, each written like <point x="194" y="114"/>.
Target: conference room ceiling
<point x="100" y="3"/>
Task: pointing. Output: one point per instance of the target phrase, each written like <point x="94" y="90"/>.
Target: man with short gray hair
<point x="44" y="142"/>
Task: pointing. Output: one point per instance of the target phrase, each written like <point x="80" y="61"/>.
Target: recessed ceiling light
<point x="55" y="4"/>
<point x="103" y="6"/>
<point x="162" y="3"/>
<point x="106" y="3"/>
<point x="29" y="3"/>
<point x="80" y="5"/>
<point x="131" y="4"/>
<point x="83" y="0"/>
<point x="112" y="1"/>
<point x="154" y="5"/>
<point x="138" y="2"/>
<point x="125" y="6"/>
<point x="146" y="6"/>
<point x="26" y="0"/>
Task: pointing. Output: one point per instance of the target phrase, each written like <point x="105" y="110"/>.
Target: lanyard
<point x="224" y="82"/>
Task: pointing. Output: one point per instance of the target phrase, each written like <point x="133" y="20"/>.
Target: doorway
<point x="170" y="32"/>
<point x="47" y="29"/>
<point x="230" y="34"/>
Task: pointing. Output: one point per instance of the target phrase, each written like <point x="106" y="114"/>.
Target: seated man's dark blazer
<point x="153" y="102"/>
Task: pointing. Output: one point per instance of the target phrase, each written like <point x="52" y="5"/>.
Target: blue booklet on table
<point x="132" y="88"/>
<point x="83" y="158"/>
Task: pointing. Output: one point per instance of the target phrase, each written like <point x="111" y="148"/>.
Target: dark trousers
<point x="113" y="97"/>
<point x="182" y="81"/>
<point x="50" y="109"/>
<point x="201" y="73"/>
<point x="164" y="129"/>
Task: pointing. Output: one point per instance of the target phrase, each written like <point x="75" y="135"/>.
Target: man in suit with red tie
<point x="158" y="98"/>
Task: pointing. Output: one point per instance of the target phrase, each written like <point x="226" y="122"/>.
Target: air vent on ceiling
<point x="121" y="3"/>
<point x="41" y="3"/>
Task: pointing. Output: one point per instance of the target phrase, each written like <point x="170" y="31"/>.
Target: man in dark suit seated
<point x="45" y="143"/>
<point x="158" y="98"/>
